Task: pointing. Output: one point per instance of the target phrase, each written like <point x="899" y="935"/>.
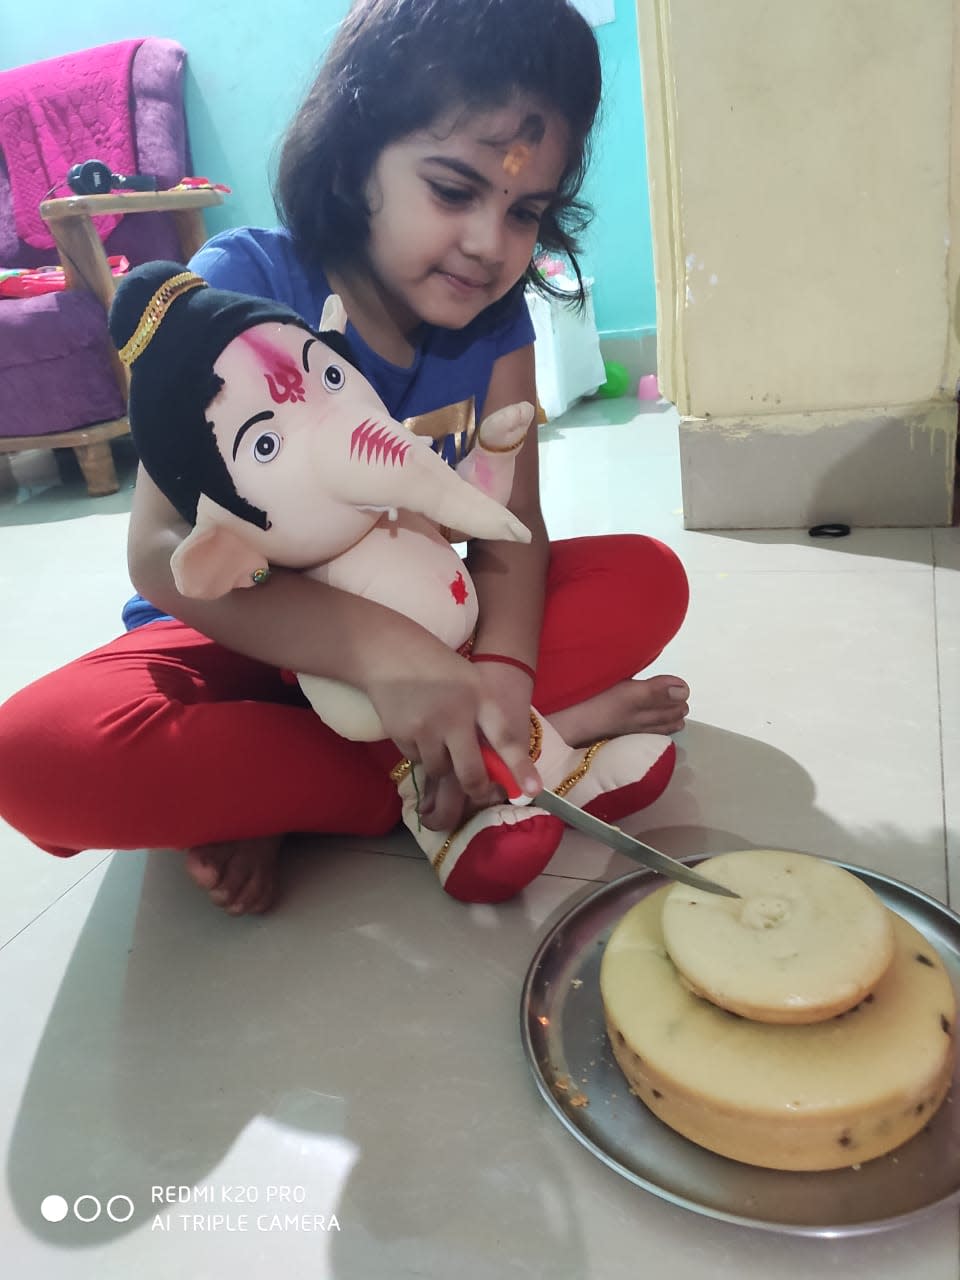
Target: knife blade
<point x="573" y="816"/>
<point x="616" y="839"/>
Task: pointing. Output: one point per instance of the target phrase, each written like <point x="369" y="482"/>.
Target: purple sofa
<point x="57" y="370"/>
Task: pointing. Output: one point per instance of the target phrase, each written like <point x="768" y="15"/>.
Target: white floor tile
<point x="64" y="583"/>
<point x="622" y="476"/>
<point x="31" y="881"/>
<point x="357" y="1055"/>
<point x="795" y="740"/>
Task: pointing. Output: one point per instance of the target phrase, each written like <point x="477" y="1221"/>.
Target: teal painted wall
<point x="247" y="72"/>
<point x="619" y="245"/>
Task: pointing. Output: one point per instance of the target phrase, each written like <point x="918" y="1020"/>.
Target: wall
<point x="620" y="254"/>
<point x="803" y="164"/>
<point x="247" y="72"/>
<point x="813" y="174"/>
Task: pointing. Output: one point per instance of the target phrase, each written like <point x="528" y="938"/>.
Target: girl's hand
<point x="445" y="804"/>
<point x="437" y="712"/>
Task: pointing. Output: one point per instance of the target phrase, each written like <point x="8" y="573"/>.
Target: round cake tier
<point x="805" y="940"/>
<point x="803" y="1097"/>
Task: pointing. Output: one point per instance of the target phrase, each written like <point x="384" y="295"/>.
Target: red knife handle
<point x="501" y="775"/>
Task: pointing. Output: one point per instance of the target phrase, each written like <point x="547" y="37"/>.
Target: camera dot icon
<point x="87" y="1208"/>
<point x="54" y="1208"/>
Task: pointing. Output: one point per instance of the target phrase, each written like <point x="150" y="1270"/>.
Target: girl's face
<point x="456" y="208"/>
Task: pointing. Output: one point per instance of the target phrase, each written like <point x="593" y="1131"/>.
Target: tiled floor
<point x="357" y="1053"/>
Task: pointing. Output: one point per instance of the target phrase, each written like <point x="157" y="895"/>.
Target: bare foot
<point x="656" y="705"/>
<point x="239" y="875"/>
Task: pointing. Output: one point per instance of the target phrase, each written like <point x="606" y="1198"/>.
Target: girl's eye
<point x="333" y="378"/>
<point x="528" y="217"/>
<point x="451" y="195"/>
<point x="267" y="446"/>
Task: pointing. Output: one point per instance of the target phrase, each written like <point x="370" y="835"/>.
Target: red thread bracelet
<point x="507" y="660"/>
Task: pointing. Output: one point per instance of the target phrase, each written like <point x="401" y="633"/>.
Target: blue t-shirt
<point x="440" y="394"/>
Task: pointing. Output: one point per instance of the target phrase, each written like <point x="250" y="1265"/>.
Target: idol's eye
<point x="266" y="446"/>
<point x="333" y="377"/>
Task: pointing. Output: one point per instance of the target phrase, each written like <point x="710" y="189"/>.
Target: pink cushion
<point x="55" y="368"/>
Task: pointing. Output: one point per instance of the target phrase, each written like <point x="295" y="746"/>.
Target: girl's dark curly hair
<point x="397" y="65"/>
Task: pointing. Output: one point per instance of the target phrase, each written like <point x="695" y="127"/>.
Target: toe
<point x="671" y="687"/>
<point x="263" y="900"/>
<point x="239" y="876"/>
<point x="203" y="868"/>
<point x="661" y="705"/>
<point x="234" y="887"/>
<point x="660" y="720"/>
<point x="257" y="894"/>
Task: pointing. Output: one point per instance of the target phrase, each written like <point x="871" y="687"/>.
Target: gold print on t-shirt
<point x="456" y="423"/>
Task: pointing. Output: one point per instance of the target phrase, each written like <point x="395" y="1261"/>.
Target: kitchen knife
<point x="611" y="836"/>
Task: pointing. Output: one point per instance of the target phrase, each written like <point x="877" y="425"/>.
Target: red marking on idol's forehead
<point x="283" y="377"/>
<point x="267" y="352"/>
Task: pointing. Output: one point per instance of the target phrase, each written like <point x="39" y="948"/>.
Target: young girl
<point x="442" y="144"/>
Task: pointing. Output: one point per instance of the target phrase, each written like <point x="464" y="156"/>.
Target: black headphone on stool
<point x="93" y="178"/>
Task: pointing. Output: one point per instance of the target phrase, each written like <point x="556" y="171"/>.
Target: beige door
<point x="803" y="174"/>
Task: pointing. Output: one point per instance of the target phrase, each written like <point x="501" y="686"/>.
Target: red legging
<point x="164" y="739"/>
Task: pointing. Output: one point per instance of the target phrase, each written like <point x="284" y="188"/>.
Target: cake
<point x="811" y="1096"/>
<point x="805" y="940"/>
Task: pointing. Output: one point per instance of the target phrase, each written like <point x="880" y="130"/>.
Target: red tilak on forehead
<point x="284" y="379"/>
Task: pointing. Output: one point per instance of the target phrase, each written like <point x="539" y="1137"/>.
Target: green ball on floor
<point x="618" y="380"/>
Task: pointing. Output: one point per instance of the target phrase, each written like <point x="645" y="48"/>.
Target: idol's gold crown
<point x="155" y="310"/>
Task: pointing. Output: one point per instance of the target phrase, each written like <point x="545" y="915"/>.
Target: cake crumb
<point x="577" y="982"/>
<point x="562" y="1083"/>
<point x="579" y="1100"/>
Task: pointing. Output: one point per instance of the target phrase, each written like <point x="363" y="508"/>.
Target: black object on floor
<point x="829" y="530"/>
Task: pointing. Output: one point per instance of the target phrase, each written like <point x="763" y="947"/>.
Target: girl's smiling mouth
<point x="463" y="284"/>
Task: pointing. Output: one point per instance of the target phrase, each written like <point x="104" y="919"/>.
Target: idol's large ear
<point x="215" y="556"/>
<point x="334" y="315"/>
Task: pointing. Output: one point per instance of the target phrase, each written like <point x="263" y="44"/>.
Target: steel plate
<point x="565" y="1040"/>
